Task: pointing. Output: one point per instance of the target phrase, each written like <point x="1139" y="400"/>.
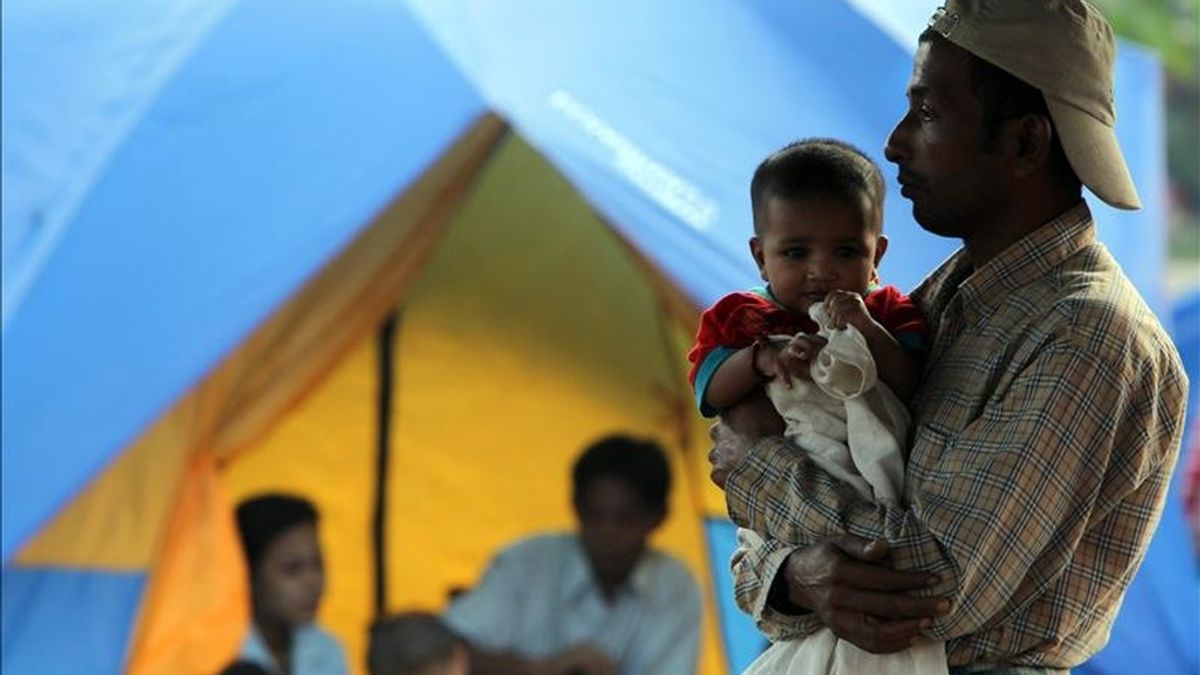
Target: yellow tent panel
<point x="532" y="331"/>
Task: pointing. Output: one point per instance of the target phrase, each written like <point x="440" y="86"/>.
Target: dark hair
<point x="408" y="643"/>
<point x="263" y="518"/>
<point x="1003" y="97"/>
<point x="640" y="463"/>
<point x="822" y="168"/>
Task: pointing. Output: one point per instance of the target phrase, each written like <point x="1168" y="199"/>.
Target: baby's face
<point x="808" y="247"/>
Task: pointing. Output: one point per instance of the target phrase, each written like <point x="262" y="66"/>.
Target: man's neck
<point x="1006" y="230"/>
<point x="610" y="585"/>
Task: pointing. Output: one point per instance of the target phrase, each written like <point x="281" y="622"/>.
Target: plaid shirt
<point x="1044" y="436"/>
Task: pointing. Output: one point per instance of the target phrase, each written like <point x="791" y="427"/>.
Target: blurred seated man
<point x="415" y="643"/>
<point x="595" y="602"/>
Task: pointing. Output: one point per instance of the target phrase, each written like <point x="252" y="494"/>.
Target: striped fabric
<point x="1044" y="438"/>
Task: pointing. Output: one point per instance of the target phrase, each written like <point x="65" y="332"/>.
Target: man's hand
<point x="849" y="584"/>
<point x="739" y="428"/>
<point x="579" y="660"/>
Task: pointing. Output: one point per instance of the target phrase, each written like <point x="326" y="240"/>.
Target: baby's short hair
<point x="409" y="643"/>
<point x="819" y="168"/>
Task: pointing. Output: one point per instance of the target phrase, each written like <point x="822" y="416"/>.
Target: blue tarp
<point x="66" y="621"/>
<point x="152" y="220"/>
<point x="173" y="171"/>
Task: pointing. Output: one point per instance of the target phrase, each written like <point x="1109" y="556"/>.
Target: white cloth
<point x="854" y="427"/>
<point x="539" y="597"/>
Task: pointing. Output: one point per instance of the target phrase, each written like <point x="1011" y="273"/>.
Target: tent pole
<point x="383" y="459"/>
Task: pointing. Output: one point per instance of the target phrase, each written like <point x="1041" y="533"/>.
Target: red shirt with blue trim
<point x="738" y="320"/>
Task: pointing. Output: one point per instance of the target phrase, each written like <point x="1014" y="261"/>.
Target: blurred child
<point x="415" y="643"/>
<point x="287" y="582"/>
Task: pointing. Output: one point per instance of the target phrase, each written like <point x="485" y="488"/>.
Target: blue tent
<point x="174" y="171"/>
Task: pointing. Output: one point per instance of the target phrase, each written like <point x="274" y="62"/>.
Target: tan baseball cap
<point x="1065" y="48"/>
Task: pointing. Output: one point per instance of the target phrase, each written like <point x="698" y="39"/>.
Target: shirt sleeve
<point x="1010" y="490"/>
<point x="734" y="322"/>
<point x="671" y="643"/>
<point x="336" y="657"/>
<point x="704" y="374"/>
<point x="900" y="316"/>
<point x="483" y="614"/>
<point x="755" y="564"/>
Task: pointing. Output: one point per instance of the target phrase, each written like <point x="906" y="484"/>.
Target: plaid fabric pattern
<point x="1044" y="437"/>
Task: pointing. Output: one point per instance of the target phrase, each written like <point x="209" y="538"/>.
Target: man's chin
<point x="929" y="222"/>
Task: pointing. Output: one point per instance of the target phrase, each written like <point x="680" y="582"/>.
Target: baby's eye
<point x="795" y="252"/>
<point x="846" y="252"/>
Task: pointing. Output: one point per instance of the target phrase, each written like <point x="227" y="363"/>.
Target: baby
<point x="835" y="350"/>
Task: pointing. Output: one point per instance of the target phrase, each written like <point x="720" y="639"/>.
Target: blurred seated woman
<point x="287" y="579"/>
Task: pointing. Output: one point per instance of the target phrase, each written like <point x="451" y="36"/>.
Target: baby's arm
<point x="898" y="367"/>
<point x="739" y="375"/>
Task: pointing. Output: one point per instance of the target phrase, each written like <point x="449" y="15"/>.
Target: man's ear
<point x="1032" y="140"/>
<point x="881" y="245"/>
<point x="756" y="250"/>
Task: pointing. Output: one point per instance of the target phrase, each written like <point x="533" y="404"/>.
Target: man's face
<point x="614" y="525"/>
<point x="290" y="578"/>
<point x="952" y="181"/>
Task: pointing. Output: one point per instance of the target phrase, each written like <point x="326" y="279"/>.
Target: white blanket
<point x="855" y="428"/>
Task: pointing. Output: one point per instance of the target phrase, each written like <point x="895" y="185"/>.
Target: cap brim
<point x="1092" y="149"/>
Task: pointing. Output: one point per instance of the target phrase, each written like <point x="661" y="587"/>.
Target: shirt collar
<point x="254" y="648"/>
<point x="765" y="292"/>
<point x="1030" y="258"/>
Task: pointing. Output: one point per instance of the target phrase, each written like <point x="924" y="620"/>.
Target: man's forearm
<point x="777" y="594"/>
<point x="782" y="494"/>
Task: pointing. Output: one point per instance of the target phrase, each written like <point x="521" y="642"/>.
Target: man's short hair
<point x="820" y="168"/>
<point x="263" y="518"/>
<point x="1003" y="97"/>
<point x="409" y="643"/>
<point x="641" y="464"/>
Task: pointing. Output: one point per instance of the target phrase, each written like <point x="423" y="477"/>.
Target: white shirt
<point x="539" y="598"/>
<point x="314" y="652"/>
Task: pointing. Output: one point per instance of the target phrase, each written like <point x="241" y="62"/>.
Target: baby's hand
<point x="846" y="308"/>
<point x="766" y="359"/>
<point x="797" y="354"/>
